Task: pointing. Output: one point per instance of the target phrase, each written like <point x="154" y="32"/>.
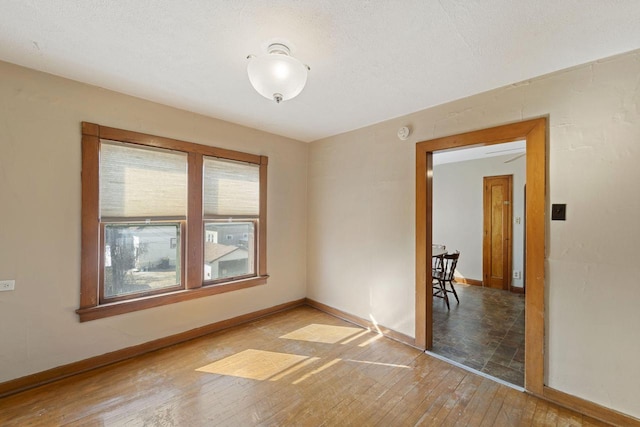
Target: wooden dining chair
<point x="443" y="276"/>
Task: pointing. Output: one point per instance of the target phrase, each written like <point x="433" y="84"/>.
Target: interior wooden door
<point x="496" y="245"/>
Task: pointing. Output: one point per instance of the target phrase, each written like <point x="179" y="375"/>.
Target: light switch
<point x="558" y="212"/>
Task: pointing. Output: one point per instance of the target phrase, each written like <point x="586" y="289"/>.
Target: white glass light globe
<point x="277" y="76"/>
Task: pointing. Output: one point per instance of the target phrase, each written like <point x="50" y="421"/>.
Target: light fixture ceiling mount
<point x="277" y="75"/>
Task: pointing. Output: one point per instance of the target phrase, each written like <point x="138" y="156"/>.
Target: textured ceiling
<point x="370" y="60"/>
<point x="514" y="149"/>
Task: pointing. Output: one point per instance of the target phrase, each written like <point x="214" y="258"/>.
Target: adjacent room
<point x="244" y="213"/>
<point x="480" y="323"/>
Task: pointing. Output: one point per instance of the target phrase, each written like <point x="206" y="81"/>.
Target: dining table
<point x="438" y="250"/>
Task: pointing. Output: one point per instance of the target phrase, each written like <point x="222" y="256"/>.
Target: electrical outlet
<point x="517" y="274"/>
<point x="7" y="285"/>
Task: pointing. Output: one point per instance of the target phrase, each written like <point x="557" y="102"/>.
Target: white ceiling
<point x="514" y="149"/>
<point x="370" y="60"/>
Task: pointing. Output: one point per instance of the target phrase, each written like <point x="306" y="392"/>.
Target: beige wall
<point x="458" y="210"/>
<point x="40" y="119"/>
<point x="362" y="213"/>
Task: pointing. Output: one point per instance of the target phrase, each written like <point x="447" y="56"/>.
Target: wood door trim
<point x="535" y="133"/>
<point x="506" y="252"/>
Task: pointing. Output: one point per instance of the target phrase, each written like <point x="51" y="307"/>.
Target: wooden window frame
<point x="192" y="239"/>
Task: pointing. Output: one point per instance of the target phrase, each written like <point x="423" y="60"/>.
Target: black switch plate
<point x="558" y="212"/>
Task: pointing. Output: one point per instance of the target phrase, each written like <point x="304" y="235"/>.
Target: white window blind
<point x="142" y="182"/>
<point x="231" y="188"/>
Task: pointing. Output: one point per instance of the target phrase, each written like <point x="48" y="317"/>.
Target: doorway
<point x="534" y="132"/>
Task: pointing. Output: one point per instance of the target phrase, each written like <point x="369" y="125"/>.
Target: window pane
<point x="231" y="188"/>
<point x="142" y="182"/>
<point x="140" y="258"/>
<point x="229" y="250"/>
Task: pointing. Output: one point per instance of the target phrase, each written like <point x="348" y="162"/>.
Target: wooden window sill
<point x="128" y="306"/>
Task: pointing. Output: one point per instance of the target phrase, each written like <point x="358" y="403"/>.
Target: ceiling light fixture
<point x="277" y="75"/>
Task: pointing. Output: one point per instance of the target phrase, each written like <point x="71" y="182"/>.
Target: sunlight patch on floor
<point x="316" y="371"/>
<point x="371" y="340"/>
<point x="327" y="334"/>
<point x="355" y="337"/>
<point x="258" y="365"/>
<point x="390" y="365"/>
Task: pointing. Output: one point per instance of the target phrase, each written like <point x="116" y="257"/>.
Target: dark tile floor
<point x="485" y="331"/>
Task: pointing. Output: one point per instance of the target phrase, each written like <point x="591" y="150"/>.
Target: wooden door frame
<point x="486" y="257"/>
<point x="535" y="133"/>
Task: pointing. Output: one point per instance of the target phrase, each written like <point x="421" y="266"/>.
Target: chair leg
<point x="454" y="291"/>
<point x="444" y="292"/>
<point x="435" y="286"/>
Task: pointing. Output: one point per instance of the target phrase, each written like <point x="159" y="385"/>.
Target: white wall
<point x="40" y="209"/>
<point x="362" y="216"/>
<point x="458" y="210"/>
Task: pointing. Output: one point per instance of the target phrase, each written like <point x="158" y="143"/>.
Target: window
<point x="231" y="200"/>
<point x="240" y="251"/>
<point x="165" y="221"/>
<point x="137" y="261"/>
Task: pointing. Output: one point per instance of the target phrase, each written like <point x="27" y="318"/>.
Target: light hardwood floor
<point x="299" y="367"/>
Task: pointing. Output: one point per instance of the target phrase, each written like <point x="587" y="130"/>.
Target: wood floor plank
<point x="494" y="408"/>
<point x="299" y="367"/>
<point x="568" y="418"/>
<point x="385" y="376"/>
<point x="539" y="416"/>
<point x="551" y="419"/>
<point x="455" y="401"/>
<point x="510" y="413"/>
<point x="383" y="409"/>
<point x="434" y="400"/>
<point x="528" y="411"/>
<point x="415" y="395"/>
<point x="480" y="404"/>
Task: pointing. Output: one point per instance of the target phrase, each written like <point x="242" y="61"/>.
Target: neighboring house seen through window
<point x="165" y="220"/>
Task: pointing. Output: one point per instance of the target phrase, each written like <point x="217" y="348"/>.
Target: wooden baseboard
<point x="468" y="281"/>
<point x="588" y="408"/>
<point x="389" y="333"/>
<point x="40" y="378"/>
<point x="474" y="282"/>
